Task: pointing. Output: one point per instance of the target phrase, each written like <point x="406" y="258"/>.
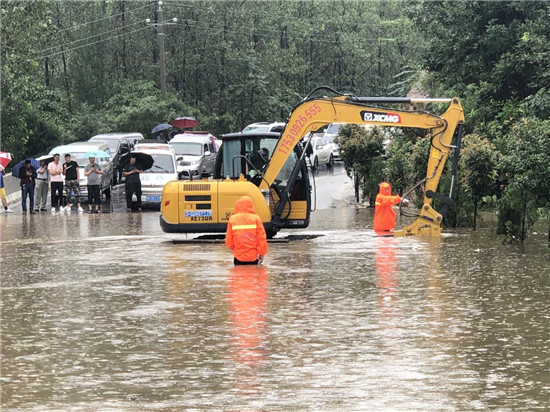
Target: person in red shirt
<point x="245" y="234"/>
<point x="384" y="215"/>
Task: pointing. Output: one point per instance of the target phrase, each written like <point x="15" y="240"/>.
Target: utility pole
<point x="159" y="26"/>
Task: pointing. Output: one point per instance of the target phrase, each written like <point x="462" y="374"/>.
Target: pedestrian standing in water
<point x="3" y="192"/>
<point x="384" y="215"/>
<point x="55" y="168"/>
<point x="27" y="174"/>
<point x="93" y="173"/>
<point x="245" y="234"/>
<point x="72" y="187"/>
<point x="133" y="183"/>
<point x="41" y="188"/>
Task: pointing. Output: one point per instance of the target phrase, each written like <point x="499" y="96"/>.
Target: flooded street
<point x="106" y="312"/>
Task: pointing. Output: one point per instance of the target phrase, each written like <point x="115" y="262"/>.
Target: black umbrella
<point x="143" y="159"/>
<point x="19" y="165"/>
<point x="160" y="127"/>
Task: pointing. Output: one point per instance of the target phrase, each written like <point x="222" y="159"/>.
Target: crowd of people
<point x="64" y="185"/>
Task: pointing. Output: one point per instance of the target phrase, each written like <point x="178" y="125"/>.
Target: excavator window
<point x="248" y="155"/>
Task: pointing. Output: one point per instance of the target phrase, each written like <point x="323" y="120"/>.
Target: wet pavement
<point x="106" y="312"/>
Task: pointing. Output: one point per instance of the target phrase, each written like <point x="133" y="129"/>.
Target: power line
<point x="89" y="44"/>
<point x="86" y="38"/>
<point x="103" y="18"/>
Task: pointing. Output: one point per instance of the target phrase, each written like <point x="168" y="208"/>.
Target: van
<point x="195" y="153"/>
<point x="119" y="144"/>
<point x="78" y="151"/>
<point x="162" y="172"/>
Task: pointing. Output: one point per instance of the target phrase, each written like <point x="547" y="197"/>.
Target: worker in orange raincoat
<point x="384" y="215"/>
<point x="245" y="234"/>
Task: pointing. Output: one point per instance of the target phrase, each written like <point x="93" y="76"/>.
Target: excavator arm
<point x="312" y="114"/>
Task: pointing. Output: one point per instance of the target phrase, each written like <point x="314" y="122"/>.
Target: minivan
<point x="119" y="144"/>
<point x="195" y="153"/>
<point x="162" y="172"/>
<point x="77" y="151"/>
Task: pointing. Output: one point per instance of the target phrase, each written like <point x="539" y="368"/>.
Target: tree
<point x="361" y="151"/>
<point x="526" y="165"/>
<point x="478" y="166"/>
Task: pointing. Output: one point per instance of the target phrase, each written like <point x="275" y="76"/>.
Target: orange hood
<point x="244" y="205"/>
<point x="385" y="189"/>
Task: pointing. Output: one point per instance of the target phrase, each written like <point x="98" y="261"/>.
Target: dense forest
<point x="72" y="69"/>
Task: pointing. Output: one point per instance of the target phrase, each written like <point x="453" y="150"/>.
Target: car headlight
<point x="196" y="162"/>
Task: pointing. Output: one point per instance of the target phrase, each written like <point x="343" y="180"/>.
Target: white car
<point x="264" y="127"/>
<point x="78" y="151"/>
<point x="321" y="152"/>
<point x="195" y="153"/>
<point x="162" y="172"/>
<point x="330" y="135"/>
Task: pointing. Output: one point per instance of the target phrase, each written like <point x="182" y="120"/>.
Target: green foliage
<point x="361" y="151"/>
<point x="526" y="167"/>
<point x="478" y="164"/>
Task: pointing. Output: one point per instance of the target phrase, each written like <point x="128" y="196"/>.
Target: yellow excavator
<point x="271" y="169"/>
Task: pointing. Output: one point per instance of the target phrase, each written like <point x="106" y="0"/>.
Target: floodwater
<point x="105" y="312"/>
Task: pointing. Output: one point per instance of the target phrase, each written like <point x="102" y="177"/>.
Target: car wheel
<point x="330" y="161"/>
<point x="315" y="165"/>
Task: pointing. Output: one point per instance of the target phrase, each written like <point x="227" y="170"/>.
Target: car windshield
<point x="112" y="143"/>
<point x="187" y="148"/>
<point x="163" y="163"/>
<point x="256" y="129"/>
<point x="329" y="139"/>
<point x="333" y="128"/>
<point x="79" y="158"/>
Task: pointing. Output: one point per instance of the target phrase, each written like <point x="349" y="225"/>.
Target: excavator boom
<point x="279" y="186"/>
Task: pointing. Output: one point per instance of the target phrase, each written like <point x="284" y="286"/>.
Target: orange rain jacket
<point x="245" y="234"/>
<point x="384" y="215"/>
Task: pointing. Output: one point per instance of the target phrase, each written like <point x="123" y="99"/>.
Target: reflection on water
<point x="104" y="312"/>
<point x="247" y="297"/>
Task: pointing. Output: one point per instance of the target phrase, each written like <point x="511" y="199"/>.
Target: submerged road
<point x="105" y="312"/>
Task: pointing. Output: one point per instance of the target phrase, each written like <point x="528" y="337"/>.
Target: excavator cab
<point x="249" y="155"/>
<point x="242" y="161"/>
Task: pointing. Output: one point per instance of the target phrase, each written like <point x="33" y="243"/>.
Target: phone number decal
<point x="198" y="213"/>
<point x="289" y="139"/>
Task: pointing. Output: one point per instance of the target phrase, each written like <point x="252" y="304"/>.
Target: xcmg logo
<point x="380" y="117"/>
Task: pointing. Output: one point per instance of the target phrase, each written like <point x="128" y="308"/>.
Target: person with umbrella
<point x="92" y="171"/>
<point x="41" y="188"/>
<point x="161" y="131"/>
<point x="3" y="191"/>
<point x="133" y="182"/>
<point x="27" y="174"/>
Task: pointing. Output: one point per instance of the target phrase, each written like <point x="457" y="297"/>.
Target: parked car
<point x="162" y="172"/>
<point x="119" y="144"/>
<point x="195" y="153"/>
<point x="77" y="151"/>
<point x="321" y="152"/>
<point x="263" y="127"/>
<point x="330" y="134"/>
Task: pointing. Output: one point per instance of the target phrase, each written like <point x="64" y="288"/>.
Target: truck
<point x="270" y="168"/>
